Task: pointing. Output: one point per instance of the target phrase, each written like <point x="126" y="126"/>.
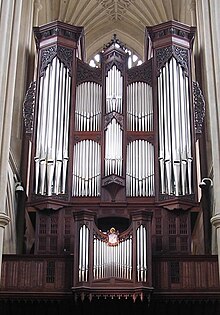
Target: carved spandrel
<point x="85" y="73"/>
<point x="117" y="116"/>
<point x="142" y="73"/>
<point x="28" y="108"/>
<point x="164" y="54"/>
<point x="120" y="66"/>
<point x="64" y="54"/>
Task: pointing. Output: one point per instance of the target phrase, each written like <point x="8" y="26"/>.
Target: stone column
<point x="13" y="27"/>
<point x="215" y="220"/>
<point x="208" y="24"/>
<point x="4" y="220"/>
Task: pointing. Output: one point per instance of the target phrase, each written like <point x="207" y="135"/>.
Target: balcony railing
<point x="43" y="274"/>
<point x="195" y="273"/>
<point x="28" y="273"/>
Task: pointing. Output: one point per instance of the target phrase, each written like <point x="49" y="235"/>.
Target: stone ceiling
<point x="103" y="18"/>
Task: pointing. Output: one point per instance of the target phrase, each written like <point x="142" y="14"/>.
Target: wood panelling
<point x="196" y="273"/>
<point x="28" y="273"/>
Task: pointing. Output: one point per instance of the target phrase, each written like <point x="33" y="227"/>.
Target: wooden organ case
<point x="111" y="174"/>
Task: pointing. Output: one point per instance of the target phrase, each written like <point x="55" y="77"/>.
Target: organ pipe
<point x="140" y="169"/>
<point x="83" y="253"/>
<point x="86" y="169"/>
<point x="114" y="91"/>
<point x="141" y="254"/>
<point x="139" y="107"/>
<point x="112" y="261"/>
<point x="113" y="148"/>
<point x="88" y="107"/>
<point x="52" y="155"/>
<point x="175" y="147"/>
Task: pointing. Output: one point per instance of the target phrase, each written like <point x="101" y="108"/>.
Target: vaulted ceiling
<point x="103" y="18"/>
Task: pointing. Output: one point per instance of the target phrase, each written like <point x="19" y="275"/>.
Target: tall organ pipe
<point x="112" y="261"/>
<point x="114" y="91"/>
<point x="141" y="253"/>
<point x="113" y="149"/>
<point x="86" y="169"/>
<point x="51" y="154"/>
<point x="139" y="107"/>
<point x="88" y="107"/>
<point x="140" y="169"/>
<point x="83" y="253"/>
<point x="175" y="148"/>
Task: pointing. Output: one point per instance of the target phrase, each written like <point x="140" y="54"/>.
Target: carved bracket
<point x="28" y="108"/>
<point x="113" y="184"/>
<point x="199" y="107"/>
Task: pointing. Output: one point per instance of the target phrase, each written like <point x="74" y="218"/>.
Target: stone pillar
<point x="215" y="220"/>
<point x="13" y="28"/>
<point x="208" y="24"/>
<point x="4" y="220"/>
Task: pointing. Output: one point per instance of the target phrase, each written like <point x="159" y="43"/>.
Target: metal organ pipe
<point x="112" y="261"/>
<point x="113" y="148"/>
<point x="51" y="154"/>
<point x="86" y="169"/>
<point x="175" y="148"/>
<point x="88" y="107"/>
<point x="141" y="254"/>
<point x="139" y="107"/>
<point x="140" y="169"/>
<point x="83" y="253"/>
<point x="114" y="91"/>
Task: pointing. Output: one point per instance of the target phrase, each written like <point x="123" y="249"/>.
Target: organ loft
<point x="111" y="160"/>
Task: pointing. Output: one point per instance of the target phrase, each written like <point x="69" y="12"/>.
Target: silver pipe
<point x="161" y="135"/>
<point x="138" y="254"/>
<point x="167" y="104"/>
<point x="38" y="140"/>
<point x="44" y="131"/>
<point x="66" y="131"/>
<point x="87" y="254"/>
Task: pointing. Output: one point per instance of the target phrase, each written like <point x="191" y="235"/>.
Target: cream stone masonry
<point x="208" y="13"/>
<point x="12" y="27"/>
<point x="4" y="220"/>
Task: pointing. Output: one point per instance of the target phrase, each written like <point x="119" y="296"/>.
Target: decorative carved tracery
<point x="28" y="107"/>
<point x="199" y="107"/>
<point x="64" y="54"/>
<point x="181" y="55"/>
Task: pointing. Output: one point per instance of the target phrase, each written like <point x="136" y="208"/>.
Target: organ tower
<point x="111" y="168"/>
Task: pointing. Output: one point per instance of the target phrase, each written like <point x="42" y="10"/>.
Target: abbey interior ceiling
<point x="125" y="18"/>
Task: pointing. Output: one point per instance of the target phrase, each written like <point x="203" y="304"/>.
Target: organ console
<point x="112" y="143"/>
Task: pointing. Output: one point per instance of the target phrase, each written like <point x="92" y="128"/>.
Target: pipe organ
<point x="110" y="145"/>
